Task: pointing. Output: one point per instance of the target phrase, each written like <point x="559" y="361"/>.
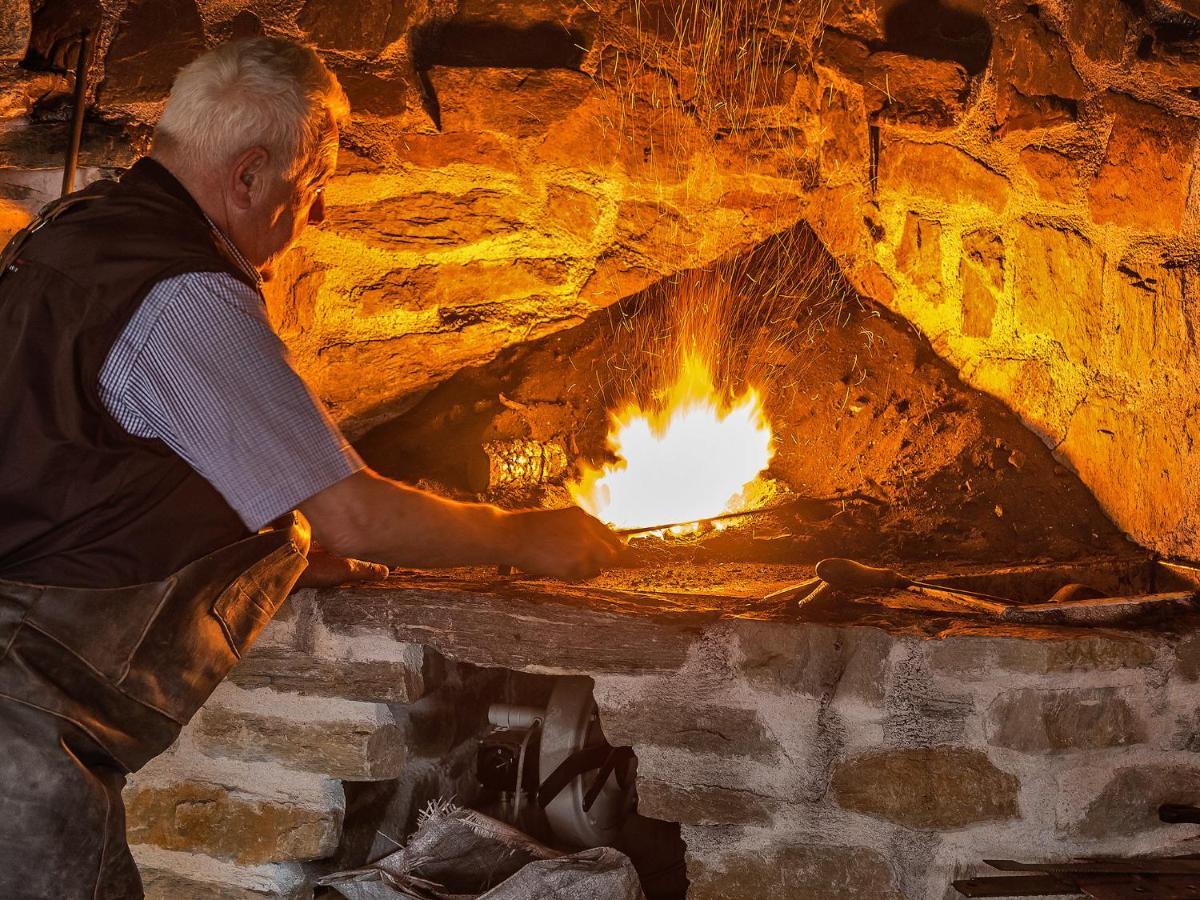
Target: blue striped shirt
<point x="199" y="367"/>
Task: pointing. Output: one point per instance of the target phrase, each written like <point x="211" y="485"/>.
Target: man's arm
<point x="369" y="517"/>
<point x="200" y="369"/>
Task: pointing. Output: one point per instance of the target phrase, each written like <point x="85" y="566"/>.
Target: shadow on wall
<point x="939" y="29"/>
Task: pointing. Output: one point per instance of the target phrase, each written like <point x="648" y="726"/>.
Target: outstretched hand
<point x="563" y="543"/>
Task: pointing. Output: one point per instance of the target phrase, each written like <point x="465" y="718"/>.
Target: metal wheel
<point x="572" y="723"/>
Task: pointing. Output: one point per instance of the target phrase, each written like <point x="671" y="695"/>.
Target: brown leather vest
<point x="82" y="502"/>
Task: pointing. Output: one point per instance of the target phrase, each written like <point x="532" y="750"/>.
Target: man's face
<point x="286" y="208"/>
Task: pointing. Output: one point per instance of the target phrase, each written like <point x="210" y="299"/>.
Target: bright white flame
<point x="690" y="460"/>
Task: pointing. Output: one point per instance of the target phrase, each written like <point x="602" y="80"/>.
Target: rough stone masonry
<point x="804" y="760"/>
<point x="513" y="165"/>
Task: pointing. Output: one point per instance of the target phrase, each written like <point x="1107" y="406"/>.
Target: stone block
<point x="981" y="275"/>
<point x="296" y="653"/>
<point x="1189" y="8"/>
<point x="974" y="658"/>
<point x="615" y="277"/>
<point x="699" y="727"/>
<point x="1187" y="658"/>
<point x="1132" y="456"/>
<point x="21" y="92"/>
<point x="153" y="41"/>
<point x="229" y="823"/>
<point x="646" y="141"/>
<point x="460" y="284"/>
<point x="818" y="661"/>
<point x="770" y="80"/>
<point x="1036" y="721"/>
<point x="910" y="90"/>
<point x="537" y="34"/>
<point x="842" y="53"/>
<point x="1154" y="300"/>
<point x="520" y="103"/>
<point x="648" y="237"/>
<point x="919" y="255"/>
<point x="1037" y="82"/>
<point x="487" y="152"/>
<point x="575" y="632"/>
<point x="16" y="26"/>
<point x="385" y="92"/>
<point x="1059" y="287"/>
<point x="1102" y="31"/>
<point x="350" y="678"/>
<point x="1167" y="59"/>
<point x="1055" y="175"/>
<point x="1144" y="178"/>
<point x="54" y="35"/>
<point x="701" y="804"/>
<point x="844" y="129"/>
<point x="40" y="146"/>
<point x="860" y="18"/>
<point x="428" y="220"/>
<point x="920" y="710"/>
<point x="936" y="787"/>
<point x="1128" y="803"/>
<point x="941" y="172"/>
<point x="774" y="152"/>
<point x="571" y="210"/>
<point x="809" y="872"/>
<point x="171" y="875"/>
<point x="338" y="739"/>
<point x="355" y="25"/>
<point x="1186" y="733"/>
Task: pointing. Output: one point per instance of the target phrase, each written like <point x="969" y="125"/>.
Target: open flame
<point x="690" y="458"/>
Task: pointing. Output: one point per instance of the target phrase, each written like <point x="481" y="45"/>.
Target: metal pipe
<point x="81" y="77"/>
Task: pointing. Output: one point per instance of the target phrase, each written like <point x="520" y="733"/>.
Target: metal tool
<point x="784" y="506"/>
<point x="848" y="575"/>
<point x="1099" y="610"/>
<point x="794" y="591"/>
<point x="77" y="115"/>
<point x="1162" y="877"/>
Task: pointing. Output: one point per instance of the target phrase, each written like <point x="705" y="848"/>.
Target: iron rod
<point x="761" y="511"/>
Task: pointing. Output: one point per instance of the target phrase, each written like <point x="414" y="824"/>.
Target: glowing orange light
<point x="691" y="458"/>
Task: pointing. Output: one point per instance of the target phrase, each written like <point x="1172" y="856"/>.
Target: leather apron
<point x="96" y="682"/>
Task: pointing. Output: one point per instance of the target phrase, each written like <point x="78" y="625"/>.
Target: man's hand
<point x="562" y="543"/>
<point x="326" y="570"/>
<point x="366" y="516"/>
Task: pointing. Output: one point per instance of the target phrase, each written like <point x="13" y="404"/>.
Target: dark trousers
<point x="94" y="683"/>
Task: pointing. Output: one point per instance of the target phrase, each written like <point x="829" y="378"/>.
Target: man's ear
<point x="247" y="177"/>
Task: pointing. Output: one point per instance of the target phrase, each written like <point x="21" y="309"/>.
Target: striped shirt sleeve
<point x="199" y="367"/>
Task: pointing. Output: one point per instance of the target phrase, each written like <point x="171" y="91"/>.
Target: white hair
<point x="256" y="92"/>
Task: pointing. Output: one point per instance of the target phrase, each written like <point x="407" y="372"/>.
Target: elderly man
<point x="156" y="447"/>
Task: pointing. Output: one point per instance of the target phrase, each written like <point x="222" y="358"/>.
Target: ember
<point x="692" y="457"/>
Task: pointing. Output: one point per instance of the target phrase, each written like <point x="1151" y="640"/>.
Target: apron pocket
<point x="243" y="614"/>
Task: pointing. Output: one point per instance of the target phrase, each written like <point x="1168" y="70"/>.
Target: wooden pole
<point x="81" y="77"/>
